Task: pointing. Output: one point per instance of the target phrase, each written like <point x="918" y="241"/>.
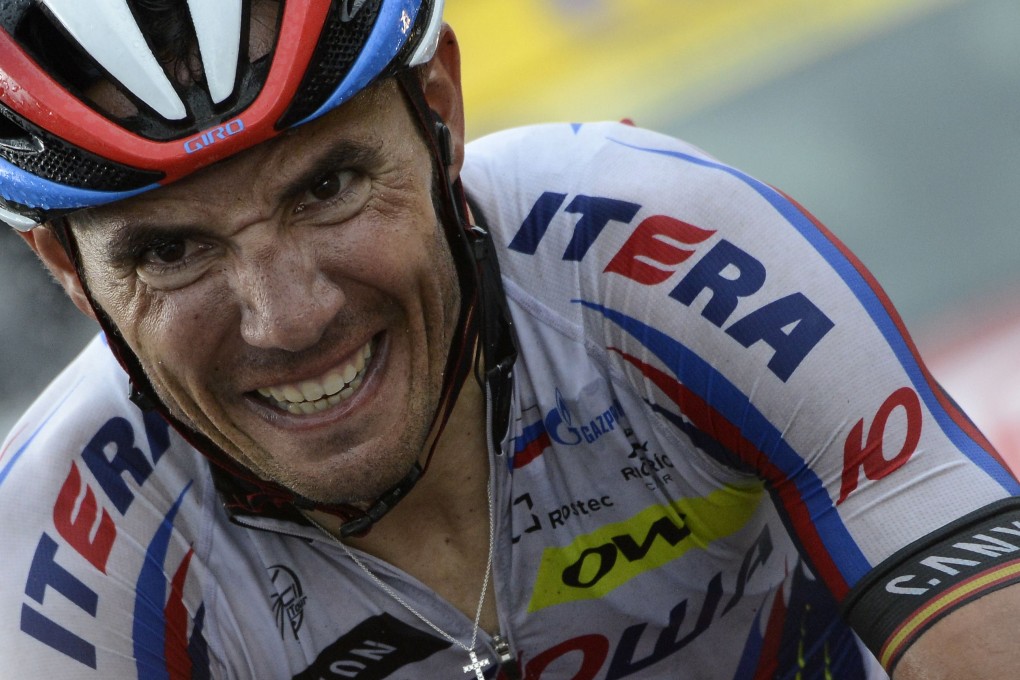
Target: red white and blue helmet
<point x="60" y="151"/>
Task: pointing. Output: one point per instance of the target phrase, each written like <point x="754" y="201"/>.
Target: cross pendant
<point x="476" y="665"/>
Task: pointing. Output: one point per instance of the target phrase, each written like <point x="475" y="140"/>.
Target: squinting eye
<point x="172" y="262"/>
<point x="165" y="254"/>
<point x="336" y="194"/>
<point x="327" y="185"/>
<point x="168" y="252"/>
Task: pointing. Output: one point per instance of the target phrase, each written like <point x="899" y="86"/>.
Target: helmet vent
<point x="172" y="37"/>
<point x="16" y="140"/>
<point x="43" y="155"/>
<point x="339" y="46"/>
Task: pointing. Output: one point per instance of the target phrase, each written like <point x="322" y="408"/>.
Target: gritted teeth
<point x="312" y="396"/>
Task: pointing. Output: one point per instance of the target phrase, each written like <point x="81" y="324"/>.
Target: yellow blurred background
<point x="530" y="61"/>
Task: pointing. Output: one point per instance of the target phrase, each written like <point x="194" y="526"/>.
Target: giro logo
<point x="214" y="135"/>
<point x="349" y="9"/>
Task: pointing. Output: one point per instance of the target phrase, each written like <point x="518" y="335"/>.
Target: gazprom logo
<point x="558" y="423"/>
<point x="213" y="135"/>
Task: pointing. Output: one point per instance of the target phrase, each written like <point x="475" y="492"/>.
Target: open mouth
<point x="317" y="395"/>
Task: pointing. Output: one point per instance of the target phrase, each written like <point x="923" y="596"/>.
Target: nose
<point x="287" y="301"/>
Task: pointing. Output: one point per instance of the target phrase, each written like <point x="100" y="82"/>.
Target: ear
<point x="44" y="242"/>
<point x="443" y="92"/>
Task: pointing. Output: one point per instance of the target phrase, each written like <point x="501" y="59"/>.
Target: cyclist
<point x="577" y="401"/>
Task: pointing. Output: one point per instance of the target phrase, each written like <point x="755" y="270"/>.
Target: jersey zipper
<point x="506" y="659"/>
<point x="508" y="665"/>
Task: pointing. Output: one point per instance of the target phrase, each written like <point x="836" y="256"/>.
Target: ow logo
<point x="577" y="575"/>
<point x="869" y="454"/>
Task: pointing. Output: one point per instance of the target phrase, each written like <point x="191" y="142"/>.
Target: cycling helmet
<point x="60" y="150"/>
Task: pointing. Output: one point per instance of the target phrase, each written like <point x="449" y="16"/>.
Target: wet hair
<point x="167" y="25"/>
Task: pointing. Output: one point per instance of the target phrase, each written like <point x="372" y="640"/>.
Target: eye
<point x="168" y="252"/>
<point x="326" y="186"/>
<point x="333" y="187"/>
<point x="172" y="262"/>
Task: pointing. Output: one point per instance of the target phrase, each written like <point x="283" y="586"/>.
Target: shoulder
<point x="562" y="196"/>
<point x="84" y="423"/>
<point x="589" y="212"/>
<point x="100" y="502"/>
<point x="600" y="158"/>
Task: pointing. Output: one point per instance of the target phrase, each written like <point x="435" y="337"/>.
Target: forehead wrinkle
<point x="87" y="228"/>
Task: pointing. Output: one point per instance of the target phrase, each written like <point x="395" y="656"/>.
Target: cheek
<point x="176" y="336"/>
<point x="389" y="251"/>
<point x="187" y="323"/>
<point x="185" y="352"/>
<point x="423" y="276"/>
<point x="448" y="283"/>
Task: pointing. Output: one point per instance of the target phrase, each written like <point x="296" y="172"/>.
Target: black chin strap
<point x="483" y="324"/>
<point x="485" y="337"/>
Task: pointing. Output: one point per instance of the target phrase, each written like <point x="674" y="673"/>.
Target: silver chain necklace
<point x="477" y="664"/>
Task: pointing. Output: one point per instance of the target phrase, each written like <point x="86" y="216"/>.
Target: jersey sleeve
<point x="103" y="556"/>
<point x="763" y="343"/>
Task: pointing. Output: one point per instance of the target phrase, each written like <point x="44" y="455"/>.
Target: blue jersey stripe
<point x="872" y="301"/>
<point x="149" y="629"/>
<point x="714" y="388"/>
<point x="6" y="471"/>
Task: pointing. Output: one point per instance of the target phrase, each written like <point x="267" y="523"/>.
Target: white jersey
<point x="718" y="430"/>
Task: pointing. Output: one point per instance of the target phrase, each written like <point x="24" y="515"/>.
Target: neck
<point x="449" y="501"/>
<point x="439" y="533"/>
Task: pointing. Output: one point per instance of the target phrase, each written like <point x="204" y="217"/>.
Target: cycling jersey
<point x="720" y="438"/>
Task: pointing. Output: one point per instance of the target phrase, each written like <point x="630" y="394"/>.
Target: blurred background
<point x="896" y="122"/>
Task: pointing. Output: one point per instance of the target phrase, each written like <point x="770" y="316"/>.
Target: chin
<point x="336" y="486"/>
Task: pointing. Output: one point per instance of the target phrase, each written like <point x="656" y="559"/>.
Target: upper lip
<point x="332" y="382"/>
<point x="312" y="371"/>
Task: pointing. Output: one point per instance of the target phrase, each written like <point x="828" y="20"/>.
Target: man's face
<point x="295" y="303"/>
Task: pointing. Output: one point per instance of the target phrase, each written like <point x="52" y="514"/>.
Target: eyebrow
<point x="129" y="237"/>
<point x="130" y="240"/>
<point x="340" y="154"/>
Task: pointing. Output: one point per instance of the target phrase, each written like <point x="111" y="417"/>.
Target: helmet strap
<point x="478" y="269"/>
<point x="142" y="393"/>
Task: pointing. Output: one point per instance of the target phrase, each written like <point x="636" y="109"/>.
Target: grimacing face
<point x="294" y="303"/>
